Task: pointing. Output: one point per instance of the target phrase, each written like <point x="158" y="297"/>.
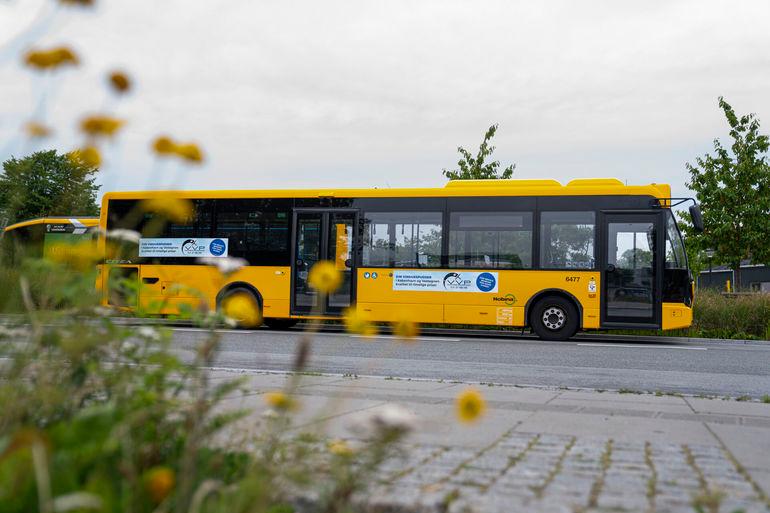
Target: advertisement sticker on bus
<point x="182" y="247"/>
<point x="443" y="281"/>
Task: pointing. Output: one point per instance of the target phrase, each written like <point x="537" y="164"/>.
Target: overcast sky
<point x="377" y="94"/>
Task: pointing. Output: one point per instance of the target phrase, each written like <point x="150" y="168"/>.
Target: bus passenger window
<point x="567" y="240"/>
<point x="402" y="239"/>
<point x="494" y="240"/>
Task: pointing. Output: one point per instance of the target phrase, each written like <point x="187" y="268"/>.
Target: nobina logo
<point x="508" y="299"/>
<point x="455" y="281"/>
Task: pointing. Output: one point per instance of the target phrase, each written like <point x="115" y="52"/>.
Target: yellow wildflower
<point x="340" y="448"/>
<point x="175" y="209"/>
<point x="242" y="308"/>
<point x="37" y="130"/>
<point x="50" y="59"/>
<point x="79" y="256"/>
<point x="99" y="125"/>
<point x="470" y="405"/>
<point x="120" y="82"/>
<point x="405" y="329"/>
<point x="79" y="3"/>
<point x="280" y="401"/>
<point x="324" y="277"/>
<point x="159" y="481"/>
<point x="163" y="145"/>
<point x="358" y="324"/>
<point x="190" y="152"/>
<point x="88" y="156"/>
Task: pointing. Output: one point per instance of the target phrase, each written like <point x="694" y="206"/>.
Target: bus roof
<point x="87" y="221"/>
<point x="581" y="187"/>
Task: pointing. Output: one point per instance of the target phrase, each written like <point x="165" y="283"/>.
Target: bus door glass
<point x="322" y="235"/>
<point x="630" y="275"/>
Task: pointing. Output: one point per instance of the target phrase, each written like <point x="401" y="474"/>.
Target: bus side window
<point x="496" y="240"/>
<point x="567" y="240"/>
<point x="402" y="239"/>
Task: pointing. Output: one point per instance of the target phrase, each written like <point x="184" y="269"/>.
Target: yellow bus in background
<point x="591" y="254"/>
<point x="40" y="238"/>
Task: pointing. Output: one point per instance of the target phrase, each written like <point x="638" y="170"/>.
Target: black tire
<point x="280" y="324"/>
<point x="236" y="291"/>
<point x="554" y="318"/>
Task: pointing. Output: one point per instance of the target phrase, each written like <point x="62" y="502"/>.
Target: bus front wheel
<point x="242" y="307"/>
<point x="554" y="318"/>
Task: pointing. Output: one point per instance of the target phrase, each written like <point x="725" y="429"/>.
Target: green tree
<point x="478" y="168"/>
<point x="46" y="184"/>
<point x="733" y="188"/>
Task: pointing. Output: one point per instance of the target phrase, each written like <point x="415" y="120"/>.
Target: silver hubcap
<point x="554" y="318"/>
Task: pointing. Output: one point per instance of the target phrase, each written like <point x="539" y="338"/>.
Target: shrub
<point x="731" y="315"/>
<point x="99" y="416"/>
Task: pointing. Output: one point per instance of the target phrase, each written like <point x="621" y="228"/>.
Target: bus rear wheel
<point x="280" y="324"/>
<point x="554" y="318"/>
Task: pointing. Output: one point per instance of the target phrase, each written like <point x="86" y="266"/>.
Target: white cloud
<point x="380" y="93"/>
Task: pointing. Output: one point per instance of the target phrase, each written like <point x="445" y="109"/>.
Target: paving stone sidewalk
<point x="549" y="450"/>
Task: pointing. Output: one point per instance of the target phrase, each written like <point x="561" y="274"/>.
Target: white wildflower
<point x="226" y="265"/>
<point x="148" y="333"/>
<point x="123" y="235"/>
<point x="103" y="311"/>
<point x="388" y="418"/>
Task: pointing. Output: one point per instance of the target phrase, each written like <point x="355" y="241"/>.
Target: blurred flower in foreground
<point x="79" y="256"/>
<point x="225" y="265"/>
<point x="190" y="152"/>
<point x="324" y="277"/>
<point x="242" y="308"/>
<point x="123" y="235"/>
<point x="79" y="3"/>
<point x="101" y="125"/>
<point x="358" y="324"/>
<point x="120" y="82"/>
<point x="405" y="329"/>
<point x="88" y="156"/>
<point x="164" y="146"/>
<point x="281" y="401"/>
<point x="159" y="481"/>
<point x="470" y="405"/>
<point x="50" y="59"/>
<point x="37" y="130"/>
<point x="340" y="448"/>
<point x="175" y="209"/>
<point x="389" y="419"/>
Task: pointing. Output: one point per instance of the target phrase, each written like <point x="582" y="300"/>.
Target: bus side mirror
<point x="697" y="218"/>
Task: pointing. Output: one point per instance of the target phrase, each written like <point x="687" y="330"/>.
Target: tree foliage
<point x="733" y="187"/>
<point x="477" y="168"/>
<point x="46" y="184"/>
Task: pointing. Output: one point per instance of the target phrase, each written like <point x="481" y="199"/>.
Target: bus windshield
<point x="676" y="257"/>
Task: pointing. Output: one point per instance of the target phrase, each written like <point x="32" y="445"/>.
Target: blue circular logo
<point x="217" y="247"/>
<point x="485" y="282"/>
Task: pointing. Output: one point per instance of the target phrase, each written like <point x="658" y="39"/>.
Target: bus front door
<point x="631" y="270"/>
<point x="322" y="235"/>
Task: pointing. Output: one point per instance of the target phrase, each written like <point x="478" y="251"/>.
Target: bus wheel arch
<point x="241" y="287"/>
<point x="566" y="310"/>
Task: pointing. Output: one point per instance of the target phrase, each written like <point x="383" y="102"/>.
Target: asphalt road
<point x="713" y="368"/>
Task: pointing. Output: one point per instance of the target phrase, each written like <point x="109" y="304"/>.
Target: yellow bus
<point x="39" y="238"/>
<point x="591" y="254"/>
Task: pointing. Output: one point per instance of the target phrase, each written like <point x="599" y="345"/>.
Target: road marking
<point x="637" y="346"/>
<point x="237" y="332"/>
<point x="392" y="337"/>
